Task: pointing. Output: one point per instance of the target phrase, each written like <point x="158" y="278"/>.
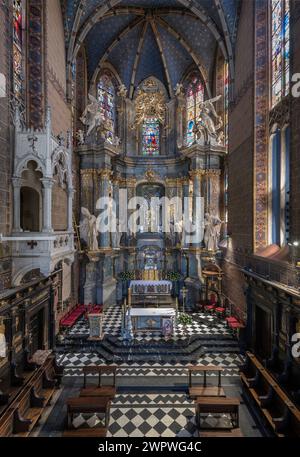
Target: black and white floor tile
<point x="203" y="324"/>
<point x="157" y="415"/>
<point x="73" y="363"/>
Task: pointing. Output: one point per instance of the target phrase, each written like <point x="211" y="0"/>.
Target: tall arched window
<point x="194" y="95"/>
<point x="279" y="185"/>
<point x="18" y="20"/>
<point x="151" y="137"/>
<point x="280" y="48"/>
<point x="106" y="97"/>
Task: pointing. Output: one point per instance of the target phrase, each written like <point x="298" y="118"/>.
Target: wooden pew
<point x="23" y="413"/>
<point x="277" y="409"/>
<point x="233" y="433"/>
<point x="204" y="390"/>
<point x="95" y="432"/>
<point x="87" y="405"/>
<point x="100" y="390"/>
<point x="218" y="405"/>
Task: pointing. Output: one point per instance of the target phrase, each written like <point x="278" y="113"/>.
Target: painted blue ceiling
<point x="92" y="4"/>
<point x="177" y="58"/>
<point x="123" y="66"/>
<point x="231" y="11"/>
<point x="230" y="8"/>
<point x="150" y="62"/>
<point x="101" y="37"/>
<point x="197" y="36"/>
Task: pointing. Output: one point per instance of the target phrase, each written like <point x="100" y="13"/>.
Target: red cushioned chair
<point x="220" y="311"/>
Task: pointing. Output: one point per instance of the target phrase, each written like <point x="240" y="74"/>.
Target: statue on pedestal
<point x="92" y="116"/>
<point x="212" y="230"/>
<point x="209" y="122"/>
<point x="88" y="229"/>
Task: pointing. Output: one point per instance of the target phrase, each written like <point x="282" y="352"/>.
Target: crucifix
<point x="32" y="140"/>
<point x="32" y="244"/>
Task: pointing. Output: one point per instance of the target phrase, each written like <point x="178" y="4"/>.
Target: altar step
<point x="112" y="349"/>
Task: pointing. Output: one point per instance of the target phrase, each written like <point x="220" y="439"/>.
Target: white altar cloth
<point x="153" y="312"/>
<point x="143" y="282"/>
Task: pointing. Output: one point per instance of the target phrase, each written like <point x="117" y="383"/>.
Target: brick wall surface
<point x="240" y="158"/>
<point x="55" y="68"/>
<point x="5" y="148"/>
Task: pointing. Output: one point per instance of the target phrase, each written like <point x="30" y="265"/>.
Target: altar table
<point x="153" y="320"/>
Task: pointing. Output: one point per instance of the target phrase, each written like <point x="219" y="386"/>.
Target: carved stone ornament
<point x="149" y="104"/>
<point x="150" y="175"/>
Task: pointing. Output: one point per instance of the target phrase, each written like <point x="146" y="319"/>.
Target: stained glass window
<point x="194" y="95"/>
<point x="151" y="137"/>
<point x="280" y="36"/>
<point x="226" y="101"/>
<point x="106" y="97"/>
<point x="17" y="47"/>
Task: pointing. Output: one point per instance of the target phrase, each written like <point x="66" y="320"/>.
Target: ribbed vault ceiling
<point x="140" y="38"/>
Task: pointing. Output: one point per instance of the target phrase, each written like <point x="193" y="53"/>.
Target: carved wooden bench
<point x="276" y="408"/>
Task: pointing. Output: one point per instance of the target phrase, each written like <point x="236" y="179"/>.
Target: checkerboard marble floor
<point x="151" y="415"/>
<point x="73" y="363"/>
<point x="203" y="324"/>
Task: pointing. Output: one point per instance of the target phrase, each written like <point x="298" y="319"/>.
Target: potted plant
<point x="185" y="320"/>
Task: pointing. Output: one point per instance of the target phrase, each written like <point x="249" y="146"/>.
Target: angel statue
<point x="88" y="229"/>
<point x="208" y="122"/>
<point x="92" y="116"/>
<point x="212" y="230"/>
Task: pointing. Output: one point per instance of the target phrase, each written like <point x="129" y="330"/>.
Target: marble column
<point x="105" y="186"/>
<point x="47" y="204"/>
<point x="17" y="184"/>
<point x="196" y="176"/>
<point x="131" y="193"/>
<point x="87" y="192"/>
<point x="185" y="209"/>
<point x="116" y="235"/>
<point x="213" y="190"/>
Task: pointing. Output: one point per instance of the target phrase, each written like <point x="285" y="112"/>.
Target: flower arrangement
<point x="127" y="275"/>
<point x="184" y="319"/>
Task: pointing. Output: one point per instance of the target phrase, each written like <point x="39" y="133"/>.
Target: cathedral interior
<point x="150" y="218"/>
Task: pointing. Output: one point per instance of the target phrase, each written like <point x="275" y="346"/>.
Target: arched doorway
<point x="30" y="209"/>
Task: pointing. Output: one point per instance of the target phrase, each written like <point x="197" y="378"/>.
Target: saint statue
<point x="88" y="229"/>
<point x="212" y="230"/>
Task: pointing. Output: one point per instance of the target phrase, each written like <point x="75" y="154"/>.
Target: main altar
<point x="151" y="307"/>
<point x="116" y="172"/>
<point x="160" y="320"/>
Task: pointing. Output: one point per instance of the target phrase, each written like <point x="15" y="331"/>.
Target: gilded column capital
<point x="131" y="182"/>
<point x="105" y="174"/>
<point x="88" y="172"/>
<point x="171" y="182"/>
<point x="213" y="172"/>
<point x="197" y="173"/>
